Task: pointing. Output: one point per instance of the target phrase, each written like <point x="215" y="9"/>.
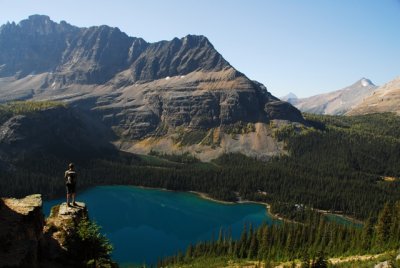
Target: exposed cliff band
<point x="28" y="240"/>
<point x="135" y="88"/>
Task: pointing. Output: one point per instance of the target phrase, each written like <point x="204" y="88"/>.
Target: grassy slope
<point x="10" y="109"/>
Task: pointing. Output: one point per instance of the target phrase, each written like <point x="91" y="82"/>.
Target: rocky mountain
<point x="95" y="55"/>
<point x="137" y="89"/>
<point x="385" y="99"/>
<point x="337" y="102"/>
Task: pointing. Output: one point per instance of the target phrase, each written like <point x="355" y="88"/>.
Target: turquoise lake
<point x="146" y="224"/>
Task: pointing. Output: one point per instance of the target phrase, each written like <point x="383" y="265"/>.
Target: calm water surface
<point x="146" y="224"/>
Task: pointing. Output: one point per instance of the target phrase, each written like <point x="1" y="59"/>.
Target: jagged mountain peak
<point x="193" y="40"/>
<point x="37" y="19"/>
<point x="36" y="25"/>
<point x="42" y="25"/>
<point x="138" y="89"/>
<point x="96" y="54"/>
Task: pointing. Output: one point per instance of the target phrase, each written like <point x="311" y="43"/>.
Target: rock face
<point x="94" y="55"/>
<point x="21" y="225"/>
<point x="337" y="102"/>
<point x="136" y="88"/>
<point x="28" y="240"/>
<point x="62" y="223"/>
<point x="385" y="99"/>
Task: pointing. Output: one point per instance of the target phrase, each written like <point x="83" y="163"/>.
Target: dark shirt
<point x="70" y="177"/>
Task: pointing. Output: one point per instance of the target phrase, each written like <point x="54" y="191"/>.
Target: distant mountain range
<point x="384" y="99"/>
<point x="337" y="102"/>
<point x="150" y="95"/>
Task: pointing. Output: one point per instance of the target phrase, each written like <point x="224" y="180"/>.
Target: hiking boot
<point x="74" y="204"/>
<point x="68" y="205"/>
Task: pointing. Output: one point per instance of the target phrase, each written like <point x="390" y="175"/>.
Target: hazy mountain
<point x="137" y="89"/>
<point x="337" y="102"/>
<point x="385" y="99"/>
<point x="291" y="97"/>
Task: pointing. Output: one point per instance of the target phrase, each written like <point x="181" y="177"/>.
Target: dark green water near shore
<point x="146" y="224"/>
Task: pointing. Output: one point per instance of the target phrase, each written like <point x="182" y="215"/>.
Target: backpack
<point x="70" y="177"/>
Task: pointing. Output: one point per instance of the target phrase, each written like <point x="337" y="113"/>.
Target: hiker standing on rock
<point x="70" y="183"/>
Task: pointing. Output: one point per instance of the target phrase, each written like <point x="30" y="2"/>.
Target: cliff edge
<point x="21" y="225"/>
<point x="27" y="239"/>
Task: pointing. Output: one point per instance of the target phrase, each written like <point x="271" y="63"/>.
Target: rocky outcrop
<point x="28" y="240"/>
<point x="21" y="231"/>
<point x="283" y="111"/>
<point x="60" y="226"/>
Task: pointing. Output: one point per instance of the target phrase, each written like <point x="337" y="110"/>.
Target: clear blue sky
<point x="304" y="46"/>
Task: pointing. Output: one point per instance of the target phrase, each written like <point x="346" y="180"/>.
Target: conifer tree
<point x="395" y="226"/>
<point x="263" y="247"/>
<point x="367" y="233"/>
<point x="253" y="248"/>
<point x="383" y="225"/>
<point x="242" y="245"/>
<point x="189" y="253"/>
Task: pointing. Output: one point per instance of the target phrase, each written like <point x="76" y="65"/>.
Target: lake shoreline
<point x="206" y="196"/>
<point x="267" y="205"/>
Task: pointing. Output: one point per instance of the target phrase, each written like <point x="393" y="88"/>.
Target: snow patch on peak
<point x="366" y="82"/>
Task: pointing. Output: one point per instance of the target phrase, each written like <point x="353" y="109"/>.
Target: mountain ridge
<point x="112" y="51"/>
<point x="336" y="102"/>
<point x="135" y="88"/>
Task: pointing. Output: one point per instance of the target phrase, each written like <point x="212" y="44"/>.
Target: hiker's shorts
<point x="71" y="188"/>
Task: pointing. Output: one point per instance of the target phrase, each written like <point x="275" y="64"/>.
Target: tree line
<point x="312" y="241"/>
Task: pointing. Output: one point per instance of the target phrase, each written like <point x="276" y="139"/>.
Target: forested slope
<point x="312" y="242"/>
<point x="346" y="164"/>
